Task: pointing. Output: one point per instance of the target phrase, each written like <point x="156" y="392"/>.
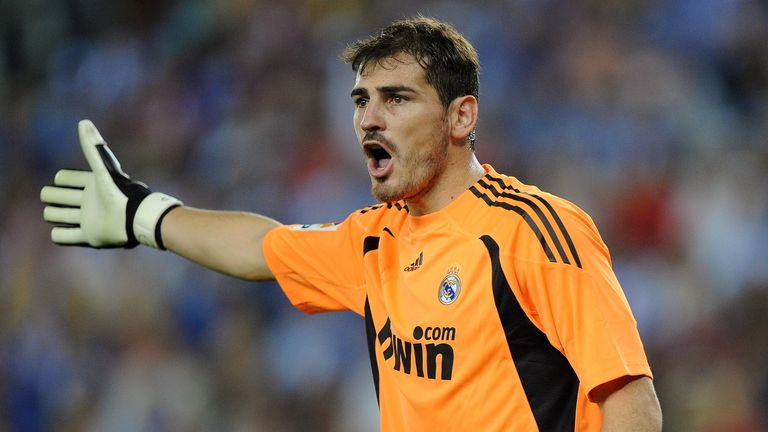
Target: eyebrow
<point x="360" y="91"/>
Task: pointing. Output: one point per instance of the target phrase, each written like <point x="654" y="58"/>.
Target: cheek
<point x="427" y="129"/>
<point x="356" y="124"/>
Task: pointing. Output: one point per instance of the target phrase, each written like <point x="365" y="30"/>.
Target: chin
<point x="381" y="197"/>
<point x="385" y="194"/>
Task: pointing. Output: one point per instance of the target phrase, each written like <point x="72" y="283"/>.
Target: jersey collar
<point x="457" y="210"/>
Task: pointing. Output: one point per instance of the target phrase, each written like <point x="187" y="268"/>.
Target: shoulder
<point x="375" y="218"/>
<point x="390" y="208"/>
<point x="360" y="230"/>
<point x="537" y="225"/>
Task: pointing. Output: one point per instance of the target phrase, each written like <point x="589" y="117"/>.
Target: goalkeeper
<point x="488" y="304"/>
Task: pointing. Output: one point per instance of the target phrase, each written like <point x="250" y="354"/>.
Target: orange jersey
<point x="499" y="312"/>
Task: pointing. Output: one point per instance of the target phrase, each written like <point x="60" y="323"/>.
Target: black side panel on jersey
<point x="371" y="243"/>
<point x="549" y="382"/>
<point x="370" y="334"/>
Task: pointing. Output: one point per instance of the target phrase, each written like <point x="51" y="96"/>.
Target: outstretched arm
<point x="629" y="405"/>
<point x="105" y="208"/>
<point x="228" y="242"/>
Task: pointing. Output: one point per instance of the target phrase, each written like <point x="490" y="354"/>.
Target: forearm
<point x="632" y="408"/>
<point x="228" y="242"/>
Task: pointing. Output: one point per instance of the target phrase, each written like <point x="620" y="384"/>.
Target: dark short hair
<point x="449" y="61"/>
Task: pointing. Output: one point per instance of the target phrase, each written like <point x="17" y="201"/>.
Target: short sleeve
<point x="320" y="266"/>
<point x="580" y="305"/>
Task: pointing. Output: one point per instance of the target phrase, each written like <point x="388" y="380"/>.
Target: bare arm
<point x="629" y="405"/>
<point x="228" y="242"/>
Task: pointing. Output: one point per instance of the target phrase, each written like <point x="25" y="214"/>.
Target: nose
<point x="371" y="118"/>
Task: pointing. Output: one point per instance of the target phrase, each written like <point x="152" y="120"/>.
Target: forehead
<point x="401" y="69"/>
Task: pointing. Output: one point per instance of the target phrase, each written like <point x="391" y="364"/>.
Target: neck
<point x="456" y="178"/>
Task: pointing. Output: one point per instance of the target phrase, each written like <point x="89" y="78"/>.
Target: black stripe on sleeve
<point x="560" y="224"/>
<point x="537" y="210"/>
<point x="549" y="381"/>
<point x="370" y="333"/>
<point x="501" y="183"/>
<point x="526" y="217"/>
<point x="552" y="211"/>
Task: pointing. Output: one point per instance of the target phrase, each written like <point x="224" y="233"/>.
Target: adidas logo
<point x="416" y="264"/>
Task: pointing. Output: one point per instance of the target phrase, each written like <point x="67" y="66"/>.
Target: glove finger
<point x="67" y="236"/>
<point x="61" y="196"/>
<point x="62" y="215"/>
<point x="72" y="178"/>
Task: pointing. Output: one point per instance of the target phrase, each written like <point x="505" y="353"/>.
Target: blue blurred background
<point x="651" y="115"/>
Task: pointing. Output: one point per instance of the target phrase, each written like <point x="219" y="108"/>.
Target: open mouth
<point x="379" y="160"/>
<point x="379" y="155"/>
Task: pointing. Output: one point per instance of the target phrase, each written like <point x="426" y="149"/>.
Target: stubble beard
<point x="416" y="174"/>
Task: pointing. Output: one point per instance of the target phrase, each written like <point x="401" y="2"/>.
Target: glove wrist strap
<point x="149" y="215"/>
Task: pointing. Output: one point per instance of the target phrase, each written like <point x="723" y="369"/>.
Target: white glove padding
<point x="103" y="207"/>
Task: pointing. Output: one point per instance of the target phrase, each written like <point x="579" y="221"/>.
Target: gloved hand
<point x="103" y="208"/>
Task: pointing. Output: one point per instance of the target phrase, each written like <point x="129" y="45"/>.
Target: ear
<point x="462" y="116"/>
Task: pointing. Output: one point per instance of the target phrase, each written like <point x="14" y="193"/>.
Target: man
<point x="489" y="304"/>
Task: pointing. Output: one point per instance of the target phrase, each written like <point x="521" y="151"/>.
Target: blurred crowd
<point x="652" y="115"/>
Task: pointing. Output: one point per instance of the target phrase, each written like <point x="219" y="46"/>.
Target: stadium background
<point x="651" y="115"/>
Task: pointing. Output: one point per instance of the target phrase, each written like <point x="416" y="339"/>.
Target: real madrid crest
<point x="450" y="287"/>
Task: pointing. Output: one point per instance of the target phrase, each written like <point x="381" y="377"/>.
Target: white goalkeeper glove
<point x="103" y="208"/>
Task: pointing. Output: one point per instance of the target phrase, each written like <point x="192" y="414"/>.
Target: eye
<point x="397" y="99"/>
<point x="360" y="102"/>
